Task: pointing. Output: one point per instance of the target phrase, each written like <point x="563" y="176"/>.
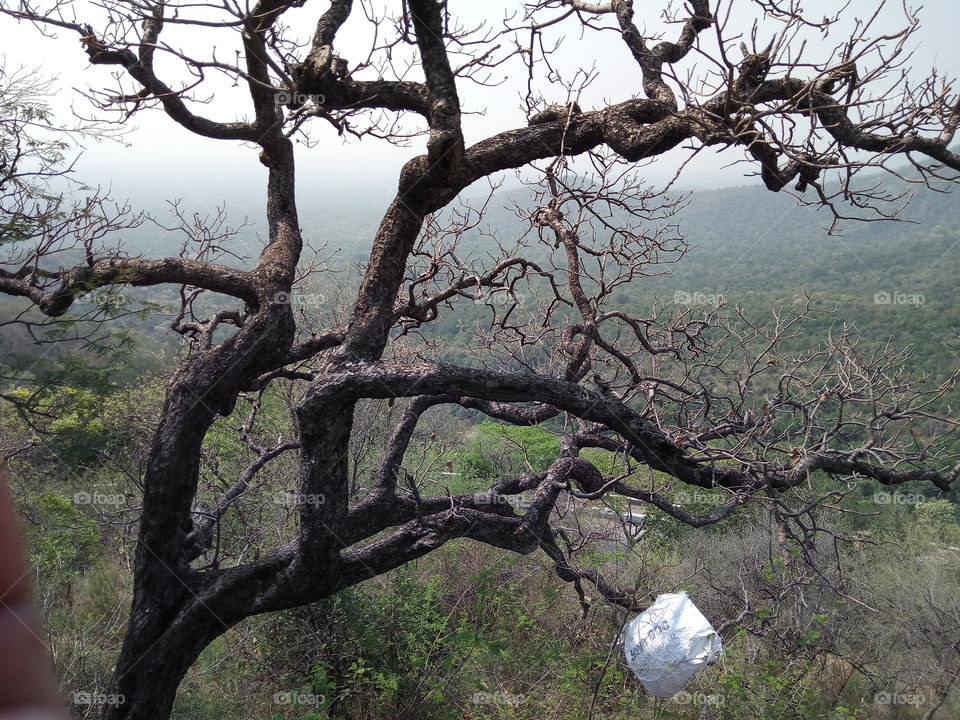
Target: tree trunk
<point x="157" y="652"/>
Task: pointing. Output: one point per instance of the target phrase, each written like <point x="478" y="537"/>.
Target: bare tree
<point x="48" y="219"/>
<point x="669" y="391"/>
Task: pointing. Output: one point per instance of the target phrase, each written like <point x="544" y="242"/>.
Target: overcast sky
<point x="165" y="160"/>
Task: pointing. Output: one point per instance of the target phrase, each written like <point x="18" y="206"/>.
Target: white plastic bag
<point x="668" y="642"/>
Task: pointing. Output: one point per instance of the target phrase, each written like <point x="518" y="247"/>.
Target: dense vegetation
<point x="473" y="632"/>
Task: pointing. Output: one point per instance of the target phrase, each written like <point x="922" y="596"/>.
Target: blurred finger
<point x="27" y="686"/>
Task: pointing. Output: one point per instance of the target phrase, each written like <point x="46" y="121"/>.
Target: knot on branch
<point x="56" y="304"/>
<point x="445" y="151"/>
<point x="753" y="70"/>
<point x="554" y="113"/>
<point x="546" y="216"/>
<point x="701" y="18"/>
<point x="807" y="173"/>
<point x="100" y="54"/>
<point x="844" y="74"/>
<point x="199" y="538"/>
<point x="580" y="472"/>
<point x="316" y="77"/>
<point x="322" y="64"/>
<point x="633" y="129"/>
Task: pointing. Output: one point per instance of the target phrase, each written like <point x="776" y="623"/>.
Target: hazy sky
<point x="165" y="160"/>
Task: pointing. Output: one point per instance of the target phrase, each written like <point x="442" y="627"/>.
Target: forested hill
<point x="763" y="251"/>
<point x="753" y="240"/>
<point x="755" y="248"/>
<point x="744" y="239"/>
<point x="749" y="239"/>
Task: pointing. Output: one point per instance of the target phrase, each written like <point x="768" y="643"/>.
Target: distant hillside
<point x="745" y="239"/>
<point x="756" y="248"/>
<point x="751" y="239"/>
<point x="764" y="251"/>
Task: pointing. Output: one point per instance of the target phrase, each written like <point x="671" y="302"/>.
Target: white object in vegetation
<point x="668" y="642"/>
